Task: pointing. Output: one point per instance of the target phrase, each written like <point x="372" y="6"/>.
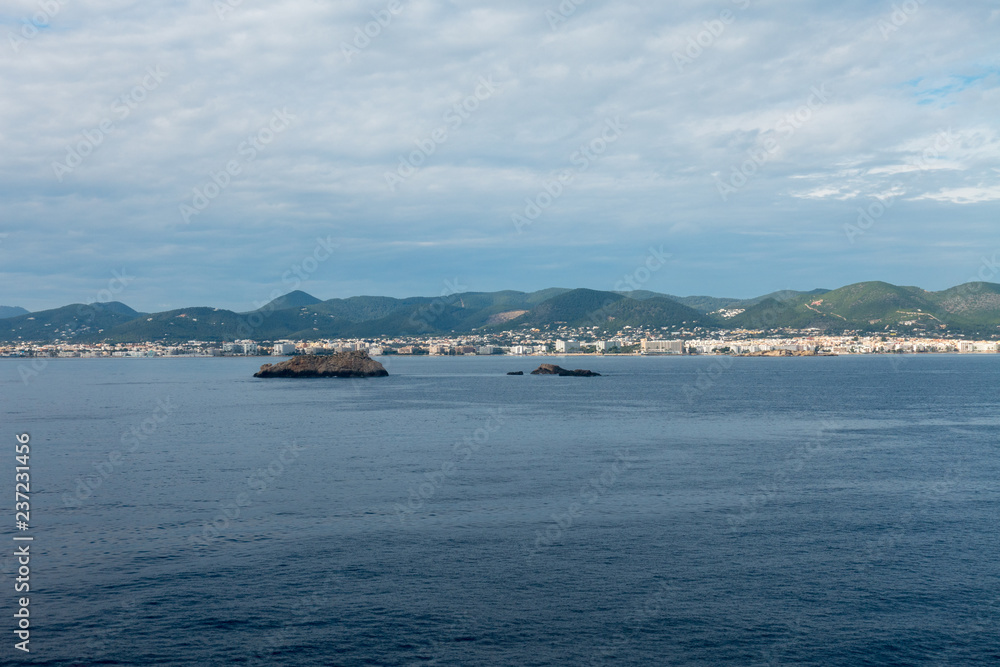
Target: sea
<point x="674" y="511"/>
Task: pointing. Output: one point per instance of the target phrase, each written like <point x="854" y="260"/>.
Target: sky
<point x="219" y="152"/>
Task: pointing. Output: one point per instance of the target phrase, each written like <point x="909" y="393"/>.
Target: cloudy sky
<point x="215" y="151"/>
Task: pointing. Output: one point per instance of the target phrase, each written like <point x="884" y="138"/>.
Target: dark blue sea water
<point x="676" y="511"/>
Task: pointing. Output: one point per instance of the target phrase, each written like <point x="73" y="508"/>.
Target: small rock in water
<point x="340" y="365"/>
<point x="552" y="369"/>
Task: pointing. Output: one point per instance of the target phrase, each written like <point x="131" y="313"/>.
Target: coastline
<point x="550" y="355"/>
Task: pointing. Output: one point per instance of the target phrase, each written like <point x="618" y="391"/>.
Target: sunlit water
<point x="826" y="511"/>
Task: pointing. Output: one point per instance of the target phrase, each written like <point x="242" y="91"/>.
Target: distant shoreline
<point x="537" y="356"/>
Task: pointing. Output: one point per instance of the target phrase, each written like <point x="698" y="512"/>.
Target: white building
<point x="283" y="349"/>
<point x="241" y="347"/>
<point x="567" y="346"/>
<point x="605" y="345"/>
<point x="662" y="346"/>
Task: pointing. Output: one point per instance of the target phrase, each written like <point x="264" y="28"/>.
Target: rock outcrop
<point x="516" y="373"/>
<point x="340" y="365"/>
<point x="552" y="369"/>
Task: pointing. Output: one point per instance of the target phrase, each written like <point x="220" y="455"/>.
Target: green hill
<point x="207" y="324"/>
<point x="879" y="306"/>
<point x="866" y="306"/>
<point x="711" y="304"/>
<point x="76" y="322"/>
<point x="972" y="309"/>
<point x="610" y="311"/>
<point x="301" y="316"/>
<point x="11" y="311"/>
<point x="296" y="299"/>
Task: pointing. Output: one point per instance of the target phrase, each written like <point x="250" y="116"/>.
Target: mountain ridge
<point x="872" y="306"/>
<point x="12" y="311"/>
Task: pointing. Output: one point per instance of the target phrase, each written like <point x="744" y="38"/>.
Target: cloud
<point x="371" y="84"/>
<point x="964" y="196"/>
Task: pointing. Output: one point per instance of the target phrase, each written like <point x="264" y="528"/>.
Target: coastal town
<point x="548" y="341"/>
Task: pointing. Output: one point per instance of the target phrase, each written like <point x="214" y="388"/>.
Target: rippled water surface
<point x="676" y="511"/>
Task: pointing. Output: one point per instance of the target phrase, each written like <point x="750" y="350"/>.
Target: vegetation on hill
<point x="75" y="322"/>
<point x="972" y="309"/>
<point x="11" y="311"/>
<point x="609" y="312"/>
